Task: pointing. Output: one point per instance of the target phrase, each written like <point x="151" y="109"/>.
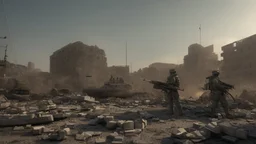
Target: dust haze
<point x="84" y="99"/>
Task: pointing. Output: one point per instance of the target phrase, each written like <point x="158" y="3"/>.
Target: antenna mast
<point x="126" y="53"/>
<point x="200" y="33"/>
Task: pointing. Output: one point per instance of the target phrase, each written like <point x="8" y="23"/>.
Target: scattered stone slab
<point x="128" y="125"/>
<point x="83" y="136"/>
<point x="58" y="136"/>
<point x="18" y="128"/>
<point x="100" y="141"/>
<point x="38" y="130"/>
<point x="132" y="132"/>
<point x="111" y="125"/>
<point x="213" y="127"/>
<point x="139" y="124"/>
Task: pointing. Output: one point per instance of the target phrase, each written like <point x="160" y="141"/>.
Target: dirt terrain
<point x="160" y="127"/>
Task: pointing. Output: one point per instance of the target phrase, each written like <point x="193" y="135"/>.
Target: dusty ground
<point x="158" y="131"/>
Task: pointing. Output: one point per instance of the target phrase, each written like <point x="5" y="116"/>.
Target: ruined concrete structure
<point x="76" y="61"/>
<point x="200" y="59"/>
<point x="239" y="60"/>
<point x="31" y="66"/>
<point x="197" y="65"/>
<point x="119" y="71"/>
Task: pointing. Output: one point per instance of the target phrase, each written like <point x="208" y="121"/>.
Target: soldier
<point x="111" y="80"/>
<point x="217" y="94"/>
<point x="173" y="95"/>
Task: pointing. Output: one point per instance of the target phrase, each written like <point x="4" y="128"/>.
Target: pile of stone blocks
<point x="46" y="105"/>
<point x="201" y="131"/>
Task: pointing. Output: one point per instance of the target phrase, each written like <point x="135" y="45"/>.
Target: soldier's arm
<point x="177" y="82"/>
<point x="217" y="85"/>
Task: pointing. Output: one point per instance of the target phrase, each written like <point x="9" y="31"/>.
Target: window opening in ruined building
<point x="235" y="50"/>
<point x="234" y="44"/>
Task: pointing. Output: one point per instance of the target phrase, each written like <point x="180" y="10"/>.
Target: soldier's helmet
<point x="215" y="72"/>
<point x="172" y="71"/>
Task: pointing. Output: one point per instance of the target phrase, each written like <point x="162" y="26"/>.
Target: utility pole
<point x="126" y="53"/>
<point x="200" y="33"/>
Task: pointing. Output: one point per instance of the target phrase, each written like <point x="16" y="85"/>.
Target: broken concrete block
<point x="70" y="125"/>
<point x="111" y="125"/>
<point x="80" y="137"/>
<point x="100" y="141"/>
<point x="41" y="120"/>
<point x="198" y="125"/>
<point x="60" y="116"/>
<point x="96" y="133"/>
<point x="58" y="136"/>
<point x="108" y="118"/>
<point x="118" y="138"/>
<point x="128" y="125"/>
<point x="83" y="136"/>
<point x="82" y="114"/>
<point x="139" y="124"/>
<point x="132" y="132"/>
<point x="213" y="127"/>
<point x="241" y="133"/>
<point x="194" y="135"/>
<point x="145" y="122"/>
<point x="228" y="129"/>
<point x="48" y="130"/>
<point x="120" y="123"/>
<point x="68" y="131"/>
<point x="229" y="138"/>
<point x="18" y="128"/>
<point x="38" y="130"/>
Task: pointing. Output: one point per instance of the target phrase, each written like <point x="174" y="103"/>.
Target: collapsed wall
<point x="239" y="65"/>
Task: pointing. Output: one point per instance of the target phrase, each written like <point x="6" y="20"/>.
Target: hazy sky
<point x="155" y="30"/>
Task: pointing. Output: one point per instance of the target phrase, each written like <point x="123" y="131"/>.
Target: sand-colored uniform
<point x="173" y="95"/>
<point x="217" y="95"/>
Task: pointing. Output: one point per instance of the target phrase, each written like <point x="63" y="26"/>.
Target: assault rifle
<point x="162" y="86"/>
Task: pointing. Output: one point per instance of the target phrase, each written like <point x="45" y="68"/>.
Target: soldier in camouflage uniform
<point x="173" y="95"/>
<point x="217" y="88"/>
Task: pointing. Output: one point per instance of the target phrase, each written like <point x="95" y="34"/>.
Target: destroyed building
<point x="31" y="66"/>
<point x="78" y="60"/>
<point x="198" y="64"/>
<point x="239" y="60"/>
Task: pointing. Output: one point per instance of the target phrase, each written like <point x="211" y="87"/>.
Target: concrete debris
<point x="111" y="125"/>
<point x="213" y="127"/>
<point x="38" y="130"/>
<point x="57" y="136"/>
<point x="128" y="125"/>
<point x="133" y="132"/>
<point x="100" y="141"/>
<point x="83" y="136"/>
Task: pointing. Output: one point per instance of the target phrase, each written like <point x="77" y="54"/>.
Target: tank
<point x="110" y="89"/>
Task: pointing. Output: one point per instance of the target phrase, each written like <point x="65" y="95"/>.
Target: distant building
<point x="31" y="66"/>
<point x="239" y="59"/>
<point x="198" y="63"/>
<point x="77" y="60"/>
<point x="200" y="58"/>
